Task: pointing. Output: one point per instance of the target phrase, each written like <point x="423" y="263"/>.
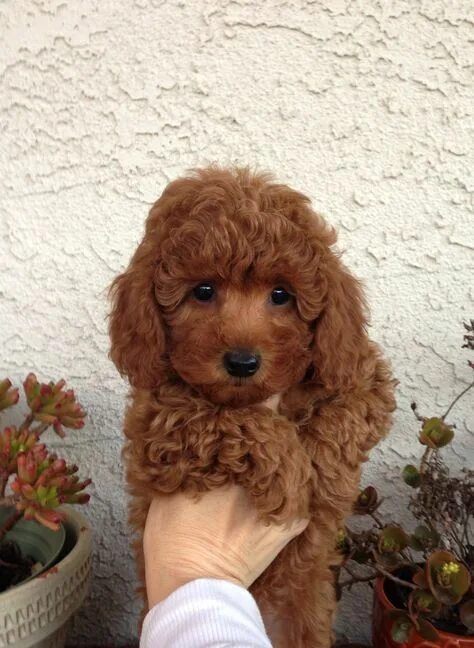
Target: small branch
<point x="408" y="557"/>
<point x="388" y="574"/>
<point x="415" y="412"/>
<point x="464" y="391"/>
<point x="400" y="581"/>
<point x="467" y="523"/>
<point x="39" y="429"/>
<point x="27" y="422"/>
<point x="377" y="570"/>
<point x="10" y="523"/>
<point x="377" y="520"/>
<point x="424" y="459"/>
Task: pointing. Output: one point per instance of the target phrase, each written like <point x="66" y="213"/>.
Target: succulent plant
<point x="8" y="395"/>
<point x="39" y="481"/>
<point x="439" y="552"/>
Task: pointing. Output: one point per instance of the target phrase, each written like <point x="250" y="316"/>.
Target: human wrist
<point x="163" y="582"/>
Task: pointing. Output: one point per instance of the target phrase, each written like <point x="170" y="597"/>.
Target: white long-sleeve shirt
<point x="205" y="613"/>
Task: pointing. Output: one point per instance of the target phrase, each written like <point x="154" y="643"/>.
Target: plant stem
<point x="388" y="574"/>
<point x="400" y="581"/>
<point x="377" y="570"/>
<point x="10" y="523"/>
<point x="415" y="412"/>
<point x="464" y="391"/>
<point x="376" y="520"/>
<point x="39" y="429"/>
<point x="425" y="459"/>
<point x="27" y="422"/>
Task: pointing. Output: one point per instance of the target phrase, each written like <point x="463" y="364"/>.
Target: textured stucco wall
<point x="365" y="105"/>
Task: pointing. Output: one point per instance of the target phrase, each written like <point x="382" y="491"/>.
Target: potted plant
<point x="422" y="578"/>
<point x="45" y="547"/>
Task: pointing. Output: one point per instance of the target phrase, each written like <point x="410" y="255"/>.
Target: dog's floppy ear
<point x="135" y="327"/>
<point x="340" y="339"/>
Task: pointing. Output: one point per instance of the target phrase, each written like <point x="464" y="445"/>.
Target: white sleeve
<point x="205" y="613"/>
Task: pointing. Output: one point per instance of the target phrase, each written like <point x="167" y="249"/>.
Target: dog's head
<point x="235" y="289"/>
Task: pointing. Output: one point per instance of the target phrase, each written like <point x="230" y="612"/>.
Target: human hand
<point x="217" y="536"/>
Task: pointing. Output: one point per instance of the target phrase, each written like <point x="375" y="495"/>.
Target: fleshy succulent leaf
<point x="392" y="539"/>
<point x="448" y="578"/>
<point x="411" y="476"/>
<point x="424" y="601"/>
<point x="424" y="538"/>
<point x="8" y="395"/>
<point x="343" y="543"/>
<point x="52" y="405"/>
<point x="44" y="482"/>
<point x="435" y="433"/>
<point x="367" y="501"/>
<point x="419" y="578"/>
<point x="402" y="625"/>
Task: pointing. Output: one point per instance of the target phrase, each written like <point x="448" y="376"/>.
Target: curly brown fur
<point x="190" y="426"/>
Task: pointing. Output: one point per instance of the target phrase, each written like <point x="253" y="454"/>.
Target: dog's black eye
<point x="280" y="296"/>
<point x="204" y="292"/>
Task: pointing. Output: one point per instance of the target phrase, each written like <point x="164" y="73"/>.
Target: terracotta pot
<point x="381" y="627"/>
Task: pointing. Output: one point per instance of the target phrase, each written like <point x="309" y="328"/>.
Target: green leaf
<point x="424" y="601"/>
<point x="420" y="579"/>
<point x="424" y="538"/>
<point x="466" y="614"/>
<point x="402" y="625"/>
<point x="411" y="476"/>
<point x="343" y="543"/>
<point x="415" y="544"/>
<point x="435" y="433"/>
<point x="461" y="581"/>
<point x="448" y="578"/>
<point x="389" y="561"/>
<point x="366" y="502"/>
<point x="392" y="539"/>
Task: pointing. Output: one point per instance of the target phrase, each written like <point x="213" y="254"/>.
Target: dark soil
<point x="14" y="567"/>
<point x="398" y="596"/>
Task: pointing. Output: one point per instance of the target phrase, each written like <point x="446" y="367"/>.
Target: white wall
<point x="365" y="105"/>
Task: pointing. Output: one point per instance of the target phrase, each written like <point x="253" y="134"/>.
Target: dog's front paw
<point x="266" y="457"/>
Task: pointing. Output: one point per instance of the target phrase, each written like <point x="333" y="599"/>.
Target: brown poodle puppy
<point x="234" y="295"/>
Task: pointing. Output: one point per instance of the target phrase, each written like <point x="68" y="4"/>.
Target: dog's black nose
<point x="241" y="364"/>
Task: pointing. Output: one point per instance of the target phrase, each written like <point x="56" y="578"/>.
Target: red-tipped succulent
<point x="39" y="481"/>
<point x="43" y="483"/>
<point x="12" y="443"/>
<point x="52" y="405"/>
<point x="8" y="395"/>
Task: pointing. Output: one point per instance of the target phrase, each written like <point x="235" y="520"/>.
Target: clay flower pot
<point x="37" y="613"/>
<point x="381" y="627"/>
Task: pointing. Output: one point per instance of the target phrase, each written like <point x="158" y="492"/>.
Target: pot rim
<point x="81" y="549"/>
<point x="387" y="604"/>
